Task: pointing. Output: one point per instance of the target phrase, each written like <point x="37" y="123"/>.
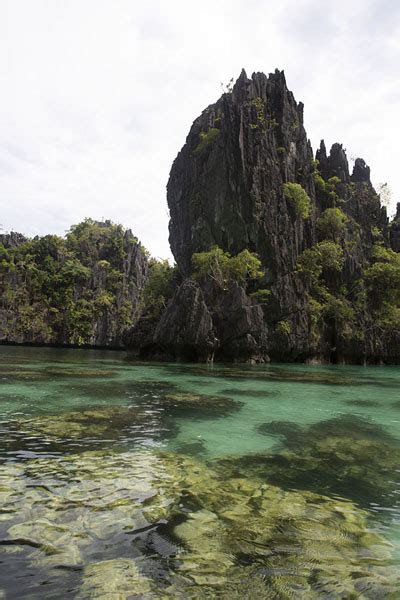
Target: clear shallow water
<point x="188" y="481"/>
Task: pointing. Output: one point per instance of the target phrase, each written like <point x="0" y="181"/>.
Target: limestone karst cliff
<point x="84" y="289"/>
<point x="247" y="179"/>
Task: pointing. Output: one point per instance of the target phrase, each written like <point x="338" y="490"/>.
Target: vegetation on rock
<point x="283" y="327"/>
<point x="382" y="280"/>
<point x="159" y="286"/>
<point x="81" y="289"/>
<point x="206" y="139"/>
<point x="223" y="268"/>
<point x="324" y="257"/>
<point x="259" y="105"/>
<point x="298" y="198"/>
<point x="332" y="224"/>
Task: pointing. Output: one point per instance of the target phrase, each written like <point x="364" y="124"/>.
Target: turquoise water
<point x="124" y="480"/>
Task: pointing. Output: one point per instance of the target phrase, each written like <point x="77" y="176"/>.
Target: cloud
<point x="98" y="96"/>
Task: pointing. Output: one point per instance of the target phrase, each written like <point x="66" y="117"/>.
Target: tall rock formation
<point x="238" y="183"/>
<point x="226" y="189"/>
<point x="225" y="186"/>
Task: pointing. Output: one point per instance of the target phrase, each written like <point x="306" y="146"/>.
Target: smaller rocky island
<point x="280" y="255"/>
<point x="81" y="290"/>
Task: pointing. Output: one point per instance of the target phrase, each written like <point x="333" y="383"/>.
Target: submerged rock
<point x="165" y="526"/>
<point x="149" y="419"/>
<point x="287" y="429"/>
<point x="348" y="455"/>
<point x="114" y="579"/>
<point x="119" y="390"/>
<point x="196" y="448"/>
<point x="99" y="421"/>
<point x="241" y="532"/>
<point x="207" y="406"/>
<point x="249" y="393"/>
<point x="63" y="511"/>
<point x="362" y="402"/>
<point x="96" y="426"/>
<point x="281" y="374"/>
<point x="78" y="372"/>
<point x="12" y="375"/>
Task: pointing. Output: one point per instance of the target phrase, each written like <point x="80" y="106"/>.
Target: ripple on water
<point x="169" y="524"/>
<point x="274" y="487"/>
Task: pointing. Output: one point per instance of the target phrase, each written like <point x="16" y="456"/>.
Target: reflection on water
<point x="123" y="480"/>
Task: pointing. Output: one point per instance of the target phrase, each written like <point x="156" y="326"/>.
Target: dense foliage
<point x="319" y="268"/>
<point x="374" y="298"/>
<point x="298" y="198"/>
<point x="223" y="268"/>
<point x="159" y="286"/>
<point x="323" y="257"/>
<point x="383" y="284"/>
<point x="60" y="290"/>
<point x="332" y="224"/>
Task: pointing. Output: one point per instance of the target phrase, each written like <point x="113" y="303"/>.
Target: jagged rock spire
<point x="334" y="165"/>
<point x="361" y="172"/>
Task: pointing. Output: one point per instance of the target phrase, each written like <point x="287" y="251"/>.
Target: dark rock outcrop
<point x="239" y="323"/>
<point x="185" y="331"/>
<point x="361" y="172"/>
<point x="108" y="328"/>
<point x="230" y="193"/>
<point x="227" y="189"/>
<point x="335" y="164"/>
<point x="12" y="239"/>
<point x="200" y="324"/>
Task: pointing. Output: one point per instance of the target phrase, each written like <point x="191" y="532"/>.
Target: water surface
<point x="164" y="481"/>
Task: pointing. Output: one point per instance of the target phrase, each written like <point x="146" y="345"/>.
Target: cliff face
<point x="228" y="187"/>
<point x="227" y="190"/>
<point x="81" y="290"/>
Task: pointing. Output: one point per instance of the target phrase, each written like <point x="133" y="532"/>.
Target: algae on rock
<point x="207" y="534"/>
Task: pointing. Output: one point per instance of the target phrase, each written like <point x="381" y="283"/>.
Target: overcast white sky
<point x="97" y="96"/>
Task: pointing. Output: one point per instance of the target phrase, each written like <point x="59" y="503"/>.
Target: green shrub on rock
<point x="332" y="224"/>
<point x="298" y="198"/>
<point x="222" y="267"/>
<point x="383" y="276"/>
<point x="319" y="181"/>
<point x="318" y="267"/>
<point x="284" y="327"/>
<point x="382" y="280"/>
<point x="262" y="295"/>
<point x="159" y="286"/>
<point x="259" y="105"/>
<point x="324" y="256"/>
<point x="206" y="139"/>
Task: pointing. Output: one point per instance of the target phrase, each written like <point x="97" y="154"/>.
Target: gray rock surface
<point x="226" y="188"/>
